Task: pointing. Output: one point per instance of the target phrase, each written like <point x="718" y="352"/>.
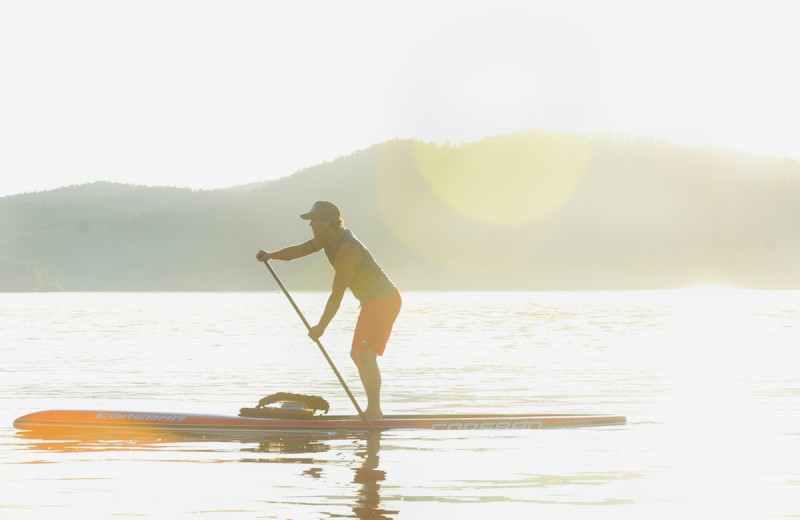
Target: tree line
<point x="526" y="211"/>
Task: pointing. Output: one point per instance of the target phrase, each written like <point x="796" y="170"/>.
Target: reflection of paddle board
<point x="201" y="423"/>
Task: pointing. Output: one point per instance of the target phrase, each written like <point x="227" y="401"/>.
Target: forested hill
<point x="526" y="211"/>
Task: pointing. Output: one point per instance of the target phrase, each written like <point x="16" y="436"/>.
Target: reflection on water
<point x="370" y="477"/>
<point x="300" y="449"/>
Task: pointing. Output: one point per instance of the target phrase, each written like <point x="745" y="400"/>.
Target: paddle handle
<point x="321" y="348"/>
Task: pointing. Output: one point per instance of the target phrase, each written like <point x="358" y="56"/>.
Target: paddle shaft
<point x="321" y="348"/>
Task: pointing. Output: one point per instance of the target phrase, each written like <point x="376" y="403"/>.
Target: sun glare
<point x="492" y="195"/>
<point x="507" y="182"/>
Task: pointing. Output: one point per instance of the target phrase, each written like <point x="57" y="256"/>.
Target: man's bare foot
<point x="370" y="416"/>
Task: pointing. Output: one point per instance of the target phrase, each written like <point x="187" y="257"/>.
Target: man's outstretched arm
<point x="292" y="252"/>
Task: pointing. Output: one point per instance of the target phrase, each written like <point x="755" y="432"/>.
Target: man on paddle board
<point x="354" y="268"/>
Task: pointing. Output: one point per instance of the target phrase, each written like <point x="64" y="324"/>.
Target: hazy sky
<point x="211" y="94"/>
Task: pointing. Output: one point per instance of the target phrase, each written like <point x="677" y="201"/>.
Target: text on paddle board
<point x="141" y="417"/>
<point x="499" y="425"/>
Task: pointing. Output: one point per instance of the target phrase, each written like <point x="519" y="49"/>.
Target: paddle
<point x="321" y="348"/>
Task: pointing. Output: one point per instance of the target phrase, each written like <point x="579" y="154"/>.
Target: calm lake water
<point x="707" y="378"/>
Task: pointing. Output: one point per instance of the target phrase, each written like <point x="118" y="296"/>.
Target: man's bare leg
<point x="367" y="363"/>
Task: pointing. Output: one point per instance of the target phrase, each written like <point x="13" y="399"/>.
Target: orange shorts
<point x="375" y="323"/>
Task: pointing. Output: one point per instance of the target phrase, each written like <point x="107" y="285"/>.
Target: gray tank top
<point x="369" y="281"/>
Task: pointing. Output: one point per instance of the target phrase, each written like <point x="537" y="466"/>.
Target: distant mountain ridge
<point x="526" y="211"/>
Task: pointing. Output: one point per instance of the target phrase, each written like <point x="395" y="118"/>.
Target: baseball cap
<point x="322" y="210"/>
